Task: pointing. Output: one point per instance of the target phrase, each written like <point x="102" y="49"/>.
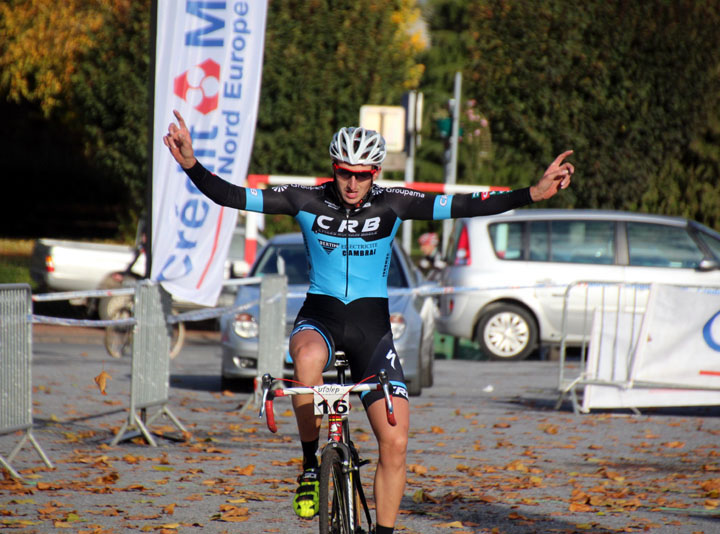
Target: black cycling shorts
<point x="361" y="329"/>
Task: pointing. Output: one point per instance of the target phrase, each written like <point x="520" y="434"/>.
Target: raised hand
<point x="179" y="142"/>
<point x="556" y="177"/>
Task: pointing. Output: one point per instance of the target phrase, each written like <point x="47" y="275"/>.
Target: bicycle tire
<point x="177" y="339"/>
<point x="336" y="509"/>
<point x="118" y="339"/>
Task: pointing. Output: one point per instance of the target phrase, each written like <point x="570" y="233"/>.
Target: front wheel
<point x="177" y="339"/>
<point x="337" y="506"/>
<point x="507" y="332"/>
<point x="118" y="339"/>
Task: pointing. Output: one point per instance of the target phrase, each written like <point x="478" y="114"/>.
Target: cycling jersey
<point x="349" y="249"/>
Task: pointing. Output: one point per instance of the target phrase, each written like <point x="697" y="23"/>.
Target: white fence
<point x="641" y="346"/>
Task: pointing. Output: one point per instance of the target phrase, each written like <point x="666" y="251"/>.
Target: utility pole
<point x="413" y="102"/>
<point x="451" y="152"/>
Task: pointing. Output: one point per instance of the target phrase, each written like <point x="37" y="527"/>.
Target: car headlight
<point x="245" y="325"/>
<point x="397" y="325"/>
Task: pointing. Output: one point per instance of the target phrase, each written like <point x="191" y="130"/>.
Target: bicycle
<point x="340" y="486"/>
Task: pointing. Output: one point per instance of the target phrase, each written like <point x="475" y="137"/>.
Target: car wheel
<point x="414" y="387"/>
<point x="506" y="332"/>
<point x="240" y="385"/>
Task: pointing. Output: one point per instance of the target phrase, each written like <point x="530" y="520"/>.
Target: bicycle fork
<point x="351" y="464"/>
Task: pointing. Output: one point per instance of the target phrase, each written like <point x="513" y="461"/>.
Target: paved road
<point x="488" y="454"/>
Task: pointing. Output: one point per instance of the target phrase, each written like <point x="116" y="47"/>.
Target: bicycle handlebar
<point x="266" y="405"/>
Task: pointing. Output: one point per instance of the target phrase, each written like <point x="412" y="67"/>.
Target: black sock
<point x="379" y="529"/>
<point x="309" y="453"/>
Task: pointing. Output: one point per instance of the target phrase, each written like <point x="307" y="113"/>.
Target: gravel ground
<point x="488" y="453"/>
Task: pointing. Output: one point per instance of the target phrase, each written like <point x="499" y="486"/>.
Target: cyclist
<point x="348" y="226"/>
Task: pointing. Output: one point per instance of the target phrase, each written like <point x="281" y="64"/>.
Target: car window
<point x="582" y="242"/>
<point x="507" y="240"/>
<point x="656" y="245"/>
<point x="713" y="243"/>
<point x="451" y="254"/>
<point x="288" y="259"/>
<point x="539" y="241"/>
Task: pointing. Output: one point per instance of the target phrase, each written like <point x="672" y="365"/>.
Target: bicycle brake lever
<point x="385" y="383"/>
<point x="266" y="384"/>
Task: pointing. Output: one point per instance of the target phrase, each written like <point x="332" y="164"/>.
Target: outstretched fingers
<point x="180" y="119"/>
<point x="558" y="161"/>
<point x="179" y="142"/>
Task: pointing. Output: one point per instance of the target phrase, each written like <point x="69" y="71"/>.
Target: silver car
<point x="522" y="262"/>
<point x="412" y="316"/>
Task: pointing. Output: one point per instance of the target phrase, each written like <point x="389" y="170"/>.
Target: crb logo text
<point x="330" y="224"/>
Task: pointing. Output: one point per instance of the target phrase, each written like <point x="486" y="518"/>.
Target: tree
<point x="85" y="64"/>
<point x="42" y="56"/>
<point x="44" y="41"/>
<point x="630" y="86"/>
<point x="109" y="102"/>
<point x="323" y="60"/>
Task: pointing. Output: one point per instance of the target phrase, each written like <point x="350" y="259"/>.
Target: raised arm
<point x="422" y="206"/>
<point x="179" y="142"/>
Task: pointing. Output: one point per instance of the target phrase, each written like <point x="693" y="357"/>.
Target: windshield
<point x="291" y="261"/>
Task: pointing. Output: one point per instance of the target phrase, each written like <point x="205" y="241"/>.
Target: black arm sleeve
<point x="471" y="205"/>
<point x="283" y="201"/>
<point x="409" y="204"/>
<point x="215" y="188"/>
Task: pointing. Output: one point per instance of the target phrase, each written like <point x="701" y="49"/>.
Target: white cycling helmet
<point x="358" y="146"/>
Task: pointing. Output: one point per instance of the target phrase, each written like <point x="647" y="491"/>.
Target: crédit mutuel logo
<point x="711" y="332"/>
<point x="200" y="86"/>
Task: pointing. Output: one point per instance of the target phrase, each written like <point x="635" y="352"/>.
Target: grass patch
<point x="15" y="261"/>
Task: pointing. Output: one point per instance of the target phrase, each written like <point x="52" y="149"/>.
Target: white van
<point x="521" y="263"/>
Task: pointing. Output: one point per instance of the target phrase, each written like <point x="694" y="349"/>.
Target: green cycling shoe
<point x="306" y="502"/>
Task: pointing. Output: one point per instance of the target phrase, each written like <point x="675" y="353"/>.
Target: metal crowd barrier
<point x="15" y="370"/>
<point x="614" y="308"/>
<point x="151" y="336"/>
<point x="150" y="376"/>
<point x="273" y="309"/>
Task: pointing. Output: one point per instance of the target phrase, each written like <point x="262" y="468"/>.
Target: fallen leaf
<point x="453" y="524"/>
<point x="101" y="381"/>
<point x="517" y="465"/>
<point x="417" y="469"/>
<point x="579" y="507"/>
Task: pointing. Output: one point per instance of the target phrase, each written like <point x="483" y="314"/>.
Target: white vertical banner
<point x="208" y="66"/>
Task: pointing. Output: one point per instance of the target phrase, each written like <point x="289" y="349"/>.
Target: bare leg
<point x="390" y="473"/>
<point x="309" y="353"/>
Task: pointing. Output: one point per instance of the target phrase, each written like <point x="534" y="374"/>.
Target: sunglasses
<point x="360" y="176"/>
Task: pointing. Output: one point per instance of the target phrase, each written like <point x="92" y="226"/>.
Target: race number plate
<point x="331" y="399"/>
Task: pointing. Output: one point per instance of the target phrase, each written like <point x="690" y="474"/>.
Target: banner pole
<point x="150" y="140"/>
